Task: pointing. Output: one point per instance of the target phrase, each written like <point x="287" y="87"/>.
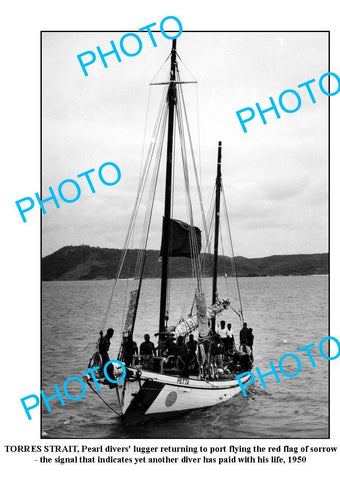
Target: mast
<point x="168" y="188"/>
<point x="217" y="227"/>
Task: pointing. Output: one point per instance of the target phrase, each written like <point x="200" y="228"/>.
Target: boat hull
<point x="146" y="395"/>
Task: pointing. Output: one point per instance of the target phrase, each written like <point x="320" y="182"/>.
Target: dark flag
<point x="179" y="245"/>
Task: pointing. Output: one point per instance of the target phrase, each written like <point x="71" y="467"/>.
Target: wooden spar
<point x="217" y="228"/>
<point x="168" y="188"/>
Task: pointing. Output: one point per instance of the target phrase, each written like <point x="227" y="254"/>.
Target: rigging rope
<point x="160" y="132"/>
<point x="192" y="233"/>
<point x="95" y="391"/>
<point x="232" y="251"/>
<point x="167" y="58"/>
<point x="140" y="191"/>
<point x="153" y="157"/>
<point x="150" y="202"/>
<point x="194" y="163"/>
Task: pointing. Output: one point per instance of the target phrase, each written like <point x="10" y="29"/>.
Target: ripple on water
<point x="285" y="313"/>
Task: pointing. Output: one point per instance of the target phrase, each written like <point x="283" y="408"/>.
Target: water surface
<point x="286" y="313"/>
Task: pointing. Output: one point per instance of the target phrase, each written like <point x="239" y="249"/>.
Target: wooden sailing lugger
<point x="156" y="386"/>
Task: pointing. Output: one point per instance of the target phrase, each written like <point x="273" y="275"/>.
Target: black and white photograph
<point x="193" y="249"/>
<point x="169" y="194"/>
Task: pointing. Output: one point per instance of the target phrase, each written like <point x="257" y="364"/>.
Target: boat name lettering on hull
<point x="183" y="381"/>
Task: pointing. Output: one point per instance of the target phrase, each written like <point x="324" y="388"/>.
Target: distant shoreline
<point x="189" y="278"/>
<point x="94" y="263"/>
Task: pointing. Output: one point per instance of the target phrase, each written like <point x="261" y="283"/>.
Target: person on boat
<point x="169" y="352"/>
<point x="170" y="345"/>
<point x="182" y="356"/>
<point x="147" y="347"/>
<point x="243" y="334"/>
<point x="166" y="320"/>
<point x="221" y="330"/>
<point x="192" y="346"/>
<point x="147" y="351"/>
<point x="161" y="347"/>
<point x="129" y="349"/>
<point x="250" y="342"/>
<point x="217" y="351"/>
<point x="245" y="361"/>
<point x="230" y="338"/>
<point x="223" y="333"/>
<point x="103" y="348"/>
<point x="241" y="359"/>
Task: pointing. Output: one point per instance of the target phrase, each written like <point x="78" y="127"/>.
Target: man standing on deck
<point x="250" y="342"/>
<point x="223" y="333"/>
<point x="103" y="348"/>
<point x="243" y="334"/>
<point x="247" y="338"/>
<point x="192" y="346"/>
<point x="230" y="337"/>
<point x="182" y="357"/>
<point x="129" y="349"/>
<point x="147" y="347"/>
<point x="147" y="350"/>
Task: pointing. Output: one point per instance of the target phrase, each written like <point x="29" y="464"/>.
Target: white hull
<point x="156" y="394"/>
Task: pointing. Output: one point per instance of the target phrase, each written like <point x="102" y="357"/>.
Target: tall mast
<point x="168" y="188"/>
<point x="217" y="227"/>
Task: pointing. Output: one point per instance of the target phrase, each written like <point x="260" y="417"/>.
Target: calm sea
<point x="286" y="313"/>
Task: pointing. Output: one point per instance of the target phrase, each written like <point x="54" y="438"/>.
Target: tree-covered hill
<point x="93" y="263"/>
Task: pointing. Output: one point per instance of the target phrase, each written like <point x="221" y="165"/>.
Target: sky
<point x="275" y="175"/>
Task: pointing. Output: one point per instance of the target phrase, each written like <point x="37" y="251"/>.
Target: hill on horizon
<point x="95" y="263"/>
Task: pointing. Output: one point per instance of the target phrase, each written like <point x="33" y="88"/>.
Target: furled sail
<point x="202" y="319"/>
<point x="217" y="308"/>
<point x="190" y="322"/>
<point x="131" y="313"/>
<point x="186" y="325"/>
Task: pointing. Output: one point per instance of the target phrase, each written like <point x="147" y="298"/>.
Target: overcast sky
<point x="275" y="175"/>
